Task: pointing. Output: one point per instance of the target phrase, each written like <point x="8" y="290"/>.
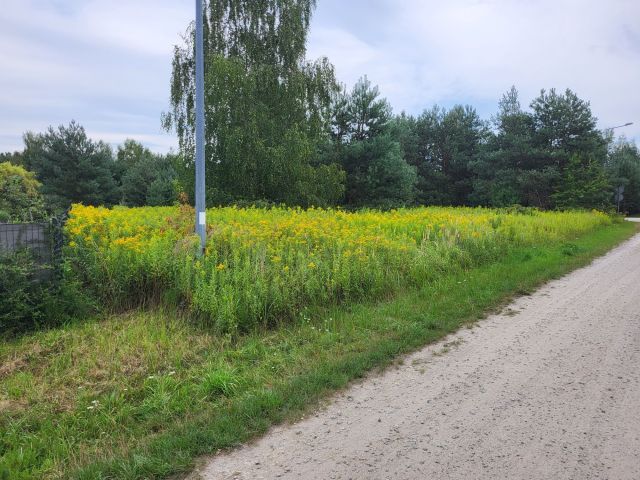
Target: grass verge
<point x="142" y="395"/>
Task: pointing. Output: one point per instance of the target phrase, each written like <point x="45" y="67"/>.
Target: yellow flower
<point x="311" y="265"/>
<point x="220" y="266"/>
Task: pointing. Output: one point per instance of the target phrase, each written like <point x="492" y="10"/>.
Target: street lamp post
<point x="619" y="193"/>
<point x="611" y="129"/>
<point x="620" y="126"/>
<point x="201" y="216"/>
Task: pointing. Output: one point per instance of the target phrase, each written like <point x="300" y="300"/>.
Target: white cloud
<point x="145" y="26"/>
<point x="356" y="55"/>
<point x="106" y="63"/>
<point x="471" y="51"/>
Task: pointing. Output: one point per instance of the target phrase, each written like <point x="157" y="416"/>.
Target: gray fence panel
<point x="33" y="236"/>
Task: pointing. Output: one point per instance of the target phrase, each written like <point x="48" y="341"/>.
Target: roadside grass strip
<point x="143" y="394"/>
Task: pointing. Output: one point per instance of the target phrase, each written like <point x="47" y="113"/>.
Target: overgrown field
<point x="141" y="394"/>
<point x="265" y="266"/>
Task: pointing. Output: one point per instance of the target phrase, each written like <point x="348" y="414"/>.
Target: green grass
<point x="142" y="395"/>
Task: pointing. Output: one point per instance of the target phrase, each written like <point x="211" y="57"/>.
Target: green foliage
<point x="448" y="142"/>
<point x="564" y="126"/>
<point x="71" y="167"/>
<point x="129" y="154"/>
<point x="538" y="186"/>
<point x="368" y="115"/>
<point x="127" y="390"/>
<point x="18" y="292"/>
<point x="361" y="129"/>
<point x="145" y="178"/>
<point x="623" y="166"/>
<point x="262" y="267"/>
<point x="404" y="129"/>
<point x="527" y="159"/>
<point x="584" y="185"/>
<point x="378" y="174"/>
<point x="32" y="296"/>
<point x="279" y="131"/>
<point x="16" y="158"/>
<point x="266" y="106"/>
<point x="503" y="169"/>
<point x="20" y="199"/>
<point x="219" y="382"/>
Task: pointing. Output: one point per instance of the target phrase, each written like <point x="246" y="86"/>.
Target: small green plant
<point x="219" y="382"/>
<point x="570" y="249"/>
<point x="19" y="292"/>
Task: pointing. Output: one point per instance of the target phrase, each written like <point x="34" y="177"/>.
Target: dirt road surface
<point x="548" y="389"/>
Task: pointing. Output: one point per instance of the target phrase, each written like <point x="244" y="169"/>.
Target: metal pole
<point x="201" y="221"/>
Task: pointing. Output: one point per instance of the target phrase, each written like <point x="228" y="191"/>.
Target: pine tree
<point x="71" y="167"/>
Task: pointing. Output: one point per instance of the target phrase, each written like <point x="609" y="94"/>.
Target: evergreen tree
<point x="564" y="126"/>
<point x="145" y="178"/>
<point x="623" y="165"/>
<point x="584" y="185"/>
<point x="404" y="129"/>
<point x="502" y="168"/>
<point x="16" y="158"/>
<point x="377" y="175"/>
<point x="71" y="167"/>
<point x="528" y="158"/>
<point x="364" y="144"/>
<point x="449" y="142"/>
<point x="127" y="156"/>
<point x="368" y="114"/>
<point x="570" y="146"/>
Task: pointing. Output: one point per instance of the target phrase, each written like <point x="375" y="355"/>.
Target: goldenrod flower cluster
<point x="262" y="266"/>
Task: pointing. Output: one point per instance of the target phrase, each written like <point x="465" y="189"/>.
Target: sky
<point x="107" y="63"/>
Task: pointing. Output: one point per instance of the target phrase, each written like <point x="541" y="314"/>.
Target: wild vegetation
<point x="20" y="197"/>
<point x="139" y="395"/>
<point x="342" y="234"/>
<point x="264" y="266"/>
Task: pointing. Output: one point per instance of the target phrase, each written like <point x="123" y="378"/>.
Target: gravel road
<point x="548" y="389"/>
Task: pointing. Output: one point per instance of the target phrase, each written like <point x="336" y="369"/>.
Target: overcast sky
<point x="106" y="63"/>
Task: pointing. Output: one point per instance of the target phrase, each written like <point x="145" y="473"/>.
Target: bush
<point x="20" y="198"/>
<point x="33" y="296"/>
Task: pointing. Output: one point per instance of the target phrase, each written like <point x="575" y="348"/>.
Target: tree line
<point x="281" y="129"/>
<point x="64" y="166"/>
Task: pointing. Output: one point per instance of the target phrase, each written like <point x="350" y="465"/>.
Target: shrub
<point x="20" y="198"/>
<point x="33" y="296"/>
